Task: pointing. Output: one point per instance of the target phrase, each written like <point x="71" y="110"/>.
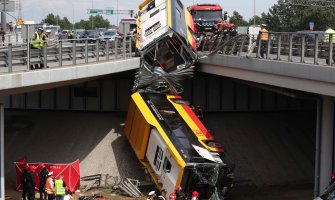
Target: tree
<point x="287" y="17"/>
<point x="258" y="19"/>
<point x="237" y="19"/>
<point x="50" y="19"/>
<point x="99" y="22"/>
<point x="65" y="23"/>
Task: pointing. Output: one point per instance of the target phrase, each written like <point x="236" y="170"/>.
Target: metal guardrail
<point x="59" y="53"/>
<point x="289" y="47"/>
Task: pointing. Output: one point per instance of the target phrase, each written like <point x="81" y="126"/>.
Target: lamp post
<point x="92" y="14"/>
<point x="254" y="13"/>
<point x="117" y="12"/>
<point x="72" y="16"/>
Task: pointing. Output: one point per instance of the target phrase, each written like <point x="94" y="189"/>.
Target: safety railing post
<point x="330" y="56"/>
<point x="242" y="45"/>
<point x="97" y="46"/>
<point x="259" y="47"/>
<point x="28" y="55"/>
<point x="130" y="46"/>
<point x="268" y="47"/>
<point x="9" y="57"/>
<point x="86" y="51"/>
<point x="302" y="58"/>
<point x="74" y="52"/>
<point x="45" y="54"/>
<point x="116" y="49"/>
<point x="224" y="50"/>
<point x="290" y="48"/>
<point x="124" y="47"/>
<point x="107" y="49"/>
<point x="233" y="48"/>
<point x="279" y="46"/>
<point x="60" y="51"/>
<point x="316" y="49"/>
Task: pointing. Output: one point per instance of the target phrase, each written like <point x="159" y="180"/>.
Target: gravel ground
<point x="60" y="137"/>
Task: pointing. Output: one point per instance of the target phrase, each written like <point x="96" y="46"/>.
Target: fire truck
<point x="209" y="19"/>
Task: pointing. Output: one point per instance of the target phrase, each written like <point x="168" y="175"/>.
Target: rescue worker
<point x="43" y="179"/>
<point x="163" y="195"/>
<point x="24" y="175"/>
<point x="50" y="186"/>
<point x="173" y="196"/>
<point x="37" y="38"/>
<point x="60" y="188"/>
<point x="30" y="183"/>
<point x="44" y="42"/>
<point x="71" y="36"/>
<point x="151" y="195"/>
<point x="195" y="195"/>
<point x="329" y="32"/>
<point x="45" y="38"/>
<point x="264" y="37"/>
<point x="36" y="44"/>
<point x="180" y="195"/>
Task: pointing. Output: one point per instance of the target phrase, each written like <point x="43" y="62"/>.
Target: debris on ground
<point x="127" y="186"/>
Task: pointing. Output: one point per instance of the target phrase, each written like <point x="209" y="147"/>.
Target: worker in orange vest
<point x="50" y="186"/>
<point x="264" y="37"/>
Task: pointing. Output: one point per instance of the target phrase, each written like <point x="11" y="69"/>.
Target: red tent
<point x="70" y="171"/>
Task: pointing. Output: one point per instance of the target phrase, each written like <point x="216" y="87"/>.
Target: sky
<point x="74" y="10"/>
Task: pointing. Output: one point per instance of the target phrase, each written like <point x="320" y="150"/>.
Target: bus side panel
<point x="130" y="117"/>
<point x="137" y="130"/>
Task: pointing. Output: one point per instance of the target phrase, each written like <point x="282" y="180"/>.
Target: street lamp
<point x="92" y="14"/>
<point x="117" y="12"/>
<point x="254" y="13"/>
<point x="72" y="16"/>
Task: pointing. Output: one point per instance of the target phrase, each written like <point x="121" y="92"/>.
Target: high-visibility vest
<point x="43" y="41"/>
<point x="48" y="188"/>
<point x="265" y="34"/>
<point x="60" y="190"/>
<point x="328" y="32"/>
<point x="36" y="43"/>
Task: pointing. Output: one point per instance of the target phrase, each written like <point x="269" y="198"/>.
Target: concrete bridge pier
<point x="324" y="144"/>
<point x="2" y="148"/>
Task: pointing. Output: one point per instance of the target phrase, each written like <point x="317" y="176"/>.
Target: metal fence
<point x="289" y="47"/>
<point x="59" y="53"/>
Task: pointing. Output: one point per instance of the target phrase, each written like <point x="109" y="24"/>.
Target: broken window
<point x="167" y="165"/>
<point x="158" y="158"/>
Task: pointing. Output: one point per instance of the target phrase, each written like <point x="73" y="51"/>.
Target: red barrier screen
<point x="71" y="172"/>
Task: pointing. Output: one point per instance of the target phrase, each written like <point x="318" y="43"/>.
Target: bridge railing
<point x="60" y="53"/>
<point x="290" y="47"/>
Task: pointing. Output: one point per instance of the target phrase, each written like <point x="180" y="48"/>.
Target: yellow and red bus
<point x="175" y="147"/>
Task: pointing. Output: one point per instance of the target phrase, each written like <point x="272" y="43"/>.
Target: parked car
<point x="309" y="35"/>
<point x="78" y="32"/>
<point x="65" y="34"/>
<point x="109" y="35"/>
<point x="90" y="35"/>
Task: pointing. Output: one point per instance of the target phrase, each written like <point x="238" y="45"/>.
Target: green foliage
<point x="50" y="19"/>
<point x="55" y="19"/>
<point x="237" y="19"/>
<point x="286" y="17"/>
<point x="98" y="22"/>
<point x="258" y="19"/>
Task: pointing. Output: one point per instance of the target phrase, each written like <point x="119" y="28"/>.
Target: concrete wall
<point x="111" y="93"/>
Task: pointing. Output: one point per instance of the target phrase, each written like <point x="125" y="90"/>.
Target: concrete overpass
<point x="274" y="72"/>
<point x="312" y="80"/>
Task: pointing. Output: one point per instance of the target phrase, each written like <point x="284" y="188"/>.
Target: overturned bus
<point x="166" y="135"/>
<point x="167" y="45"/>
<point x="175" y="147"/>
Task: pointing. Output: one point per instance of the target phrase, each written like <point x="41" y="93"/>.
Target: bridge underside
<point x="264" y="132"/>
